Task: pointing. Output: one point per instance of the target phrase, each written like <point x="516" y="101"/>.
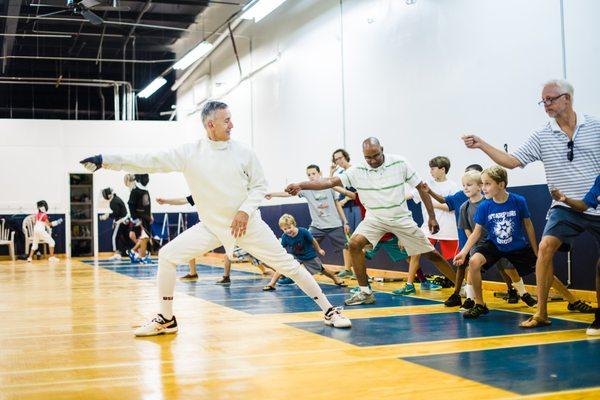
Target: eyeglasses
<point x="570" y="145"/>
<point x="551" y="100"/>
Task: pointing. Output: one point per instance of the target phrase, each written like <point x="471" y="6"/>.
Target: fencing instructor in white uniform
<point x="227" y="182"/>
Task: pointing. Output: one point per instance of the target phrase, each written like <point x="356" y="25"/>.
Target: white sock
<point x="366" y="289"/>
<point x="470" y="292"/>
<point x="307" y="283"/>
<point x="520" y="287"/>
<point x="167" y="274"/>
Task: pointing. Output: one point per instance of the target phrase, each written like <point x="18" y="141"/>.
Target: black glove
<point x="93" y="163"/>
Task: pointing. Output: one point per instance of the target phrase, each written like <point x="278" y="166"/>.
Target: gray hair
<point x="562" y="84"/>
<point x="209" y="109"/>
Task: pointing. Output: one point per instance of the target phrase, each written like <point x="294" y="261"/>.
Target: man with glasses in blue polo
<point x="569" y="147"/>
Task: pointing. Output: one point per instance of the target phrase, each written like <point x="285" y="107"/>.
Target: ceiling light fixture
<point x="260" y="9"/>
<point x="194" y="55"/>
<point x="152" y="87"/>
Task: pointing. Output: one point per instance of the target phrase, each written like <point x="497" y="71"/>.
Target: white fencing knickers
<point x="259" y="241"/>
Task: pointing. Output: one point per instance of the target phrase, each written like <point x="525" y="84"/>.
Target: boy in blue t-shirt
<point x="591" y="200"/>
<point x="454" y="203"/>
<point x="304" y="247"/>
<point x="506" y="218"/>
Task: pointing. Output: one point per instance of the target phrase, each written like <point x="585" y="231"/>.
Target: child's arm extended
<point x="318" y="247"/>
<point x="435" y="196"/>
<point x="269" y="196"/>
<point x="174" y="202"/>
<point x="460" y="258"/>
<point x="345" y="192"/>
<point x="531" y="234"/>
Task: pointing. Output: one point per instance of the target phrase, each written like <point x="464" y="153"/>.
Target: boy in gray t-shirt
<point x="322" y="205"/>
<point x="466" y="221"/>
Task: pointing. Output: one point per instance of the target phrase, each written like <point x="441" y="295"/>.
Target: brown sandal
<point x="535" y="322"/>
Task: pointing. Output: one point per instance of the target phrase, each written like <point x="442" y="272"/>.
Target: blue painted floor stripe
<point x="431" y="327"/>
<point x="247" y="295"/>
<point x="525" y="370"/>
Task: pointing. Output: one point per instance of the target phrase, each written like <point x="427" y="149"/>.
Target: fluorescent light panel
<point x="152" y="87"/>
<point x="197" y="53"/>
<point x="261" y="9"/>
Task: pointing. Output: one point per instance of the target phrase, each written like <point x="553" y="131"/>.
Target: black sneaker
<point x="467" y="305"/>
<point x="224" y="281"/>
<point x="581" y="306"/>
<point x="476" y="311"/>
<point x="529" y="300"/>
<point x="453" y="301"/>
<point x="594" y="328"/>
<point x="513" y="296"/>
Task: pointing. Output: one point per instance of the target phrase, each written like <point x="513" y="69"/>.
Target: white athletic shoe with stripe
<point x="334" y="317"/>
<point x="158" y="326"/>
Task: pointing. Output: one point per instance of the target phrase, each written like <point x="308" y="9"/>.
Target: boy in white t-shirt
<point x="447" y="237"/>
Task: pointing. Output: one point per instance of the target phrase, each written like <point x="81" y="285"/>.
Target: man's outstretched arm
<point x="498" y="156"/>
<point x="173" y="160"/>
<point x="324" y="183"/>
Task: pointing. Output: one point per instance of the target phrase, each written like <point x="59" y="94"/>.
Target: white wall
<point x="416" y="76"/>
<point x="37" y="155"/>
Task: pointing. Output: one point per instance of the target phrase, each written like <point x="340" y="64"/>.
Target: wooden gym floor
<point x="67" y="335"/>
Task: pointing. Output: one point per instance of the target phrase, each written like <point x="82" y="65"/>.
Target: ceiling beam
<point x="127" y="16"/>
<point x="10" y="27"/>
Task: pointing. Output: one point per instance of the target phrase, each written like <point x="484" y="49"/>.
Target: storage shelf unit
<point x="82" y="212"/>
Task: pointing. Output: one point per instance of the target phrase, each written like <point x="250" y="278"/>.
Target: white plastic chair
<point x="7" y="238"/>
<point x="28" y="224"/>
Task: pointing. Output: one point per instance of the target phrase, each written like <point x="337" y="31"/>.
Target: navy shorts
<point x="566" y="224"/>
<point x="523" y="260"/>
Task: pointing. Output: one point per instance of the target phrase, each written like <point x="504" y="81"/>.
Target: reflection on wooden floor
<point x="67" y="334"/>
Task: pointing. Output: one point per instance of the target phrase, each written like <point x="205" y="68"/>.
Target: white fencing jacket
<point x="223" y="178"/>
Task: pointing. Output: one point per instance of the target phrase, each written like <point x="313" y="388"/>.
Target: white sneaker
<point x="28" y="259"/>
<point x="158" y="326"/>
<point x="115" y="257"/>
<point x="53" y="259"/>
<point x="333" y="317"/>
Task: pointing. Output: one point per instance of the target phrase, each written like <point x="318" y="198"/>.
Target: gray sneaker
<point x="361" y="298"/>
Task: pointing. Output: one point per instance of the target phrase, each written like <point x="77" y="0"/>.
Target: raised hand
<point x="472" y="141"/>
<point x="93" y="163"/>
<point x="332" y="169"/>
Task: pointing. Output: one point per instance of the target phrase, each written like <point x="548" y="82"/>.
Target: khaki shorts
<point x="405" y="229"/>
